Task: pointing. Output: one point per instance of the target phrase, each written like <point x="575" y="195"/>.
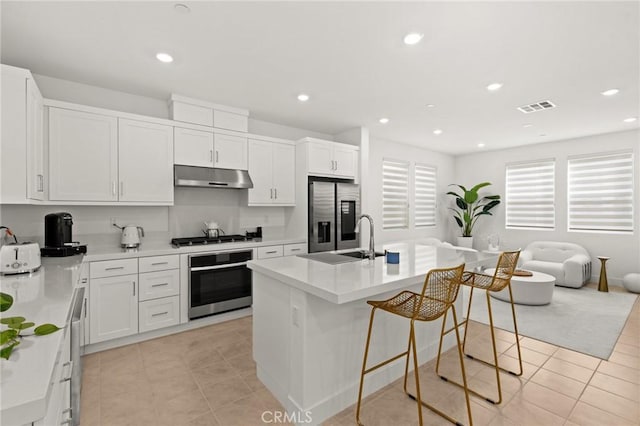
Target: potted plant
<point x="469" y="207"/>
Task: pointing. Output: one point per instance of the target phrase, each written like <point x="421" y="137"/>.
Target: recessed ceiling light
<point x="610" y="92"/>
<point x="481" y="145"/>
<point x="164" y="57"/>
<point x="181" y="8"/>
<point x="384" y="120"/>
<point x="430" y="105"/>
<point x="413" y="38"/>
<point x="527" y="125"/>
<point x="494" y="86"/>
<point x="630" y="119"/>
<point x="303" y="97"/>
<point x="437" y="132"/>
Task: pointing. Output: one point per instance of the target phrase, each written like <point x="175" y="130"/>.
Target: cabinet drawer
<point x="295" y="249"/>
<point x="159" y="313"/>
<point x="159" y="263"/>
<point x="270" y="251"/>
<point x="154" y="285"/>
<point x="112" y="268"/>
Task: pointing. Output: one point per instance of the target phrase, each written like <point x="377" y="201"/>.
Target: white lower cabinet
<point x="295" y="249"/>
<point x="269" y="251"/>
<point x="113" y="307"/>
<point x="59" y="403"/>
<point x="159" y="313"/>
<point x="154" y="285"/>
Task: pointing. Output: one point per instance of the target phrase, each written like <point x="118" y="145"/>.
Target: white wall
<point x="379" y="149"/>
<point x="624" y="250"/>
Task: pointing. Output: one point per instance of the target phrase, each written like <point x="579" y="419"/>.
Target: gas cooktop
<point x="199" y="241"/>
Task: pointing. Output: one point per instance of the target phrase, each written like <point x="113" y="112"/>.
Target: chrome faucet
<point x="371" y="253"/>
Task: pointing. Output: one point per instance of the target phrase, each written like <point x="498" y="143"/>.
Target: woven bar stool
<point x="438" y="294"/>
<point x="496" y="282"/>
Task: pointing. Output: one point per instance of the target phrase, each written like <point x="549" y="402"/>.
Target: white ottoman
<point x="534" y="290"/>
<point x="632" y="282"/>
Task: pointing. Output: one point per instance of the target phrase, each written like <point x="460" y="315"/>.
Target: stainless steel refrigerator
<point x="334" y="209"/>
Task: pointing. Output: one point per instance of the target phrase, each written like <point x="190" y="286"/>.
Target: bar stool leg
<point x="415" y="371"/>
<point x="515" y="330"/>
<point x="464" y="374"/>
<point x="364" y="366"/>
<point x="466" y="323"/>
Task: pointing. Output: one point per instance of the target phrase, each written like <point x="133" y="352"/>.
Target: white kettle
<point x="131" y="235"/>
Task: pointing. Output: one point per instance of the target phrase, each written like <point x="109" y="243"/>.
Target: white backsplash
<point x="192" y="207"/>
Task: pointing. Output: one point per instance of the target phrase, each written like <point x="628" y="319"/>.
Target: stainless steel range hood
<point x="207" y="177"/>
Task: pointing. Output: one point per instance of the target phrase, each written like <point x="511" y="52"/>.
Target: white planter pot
<point x="465" y="242"/>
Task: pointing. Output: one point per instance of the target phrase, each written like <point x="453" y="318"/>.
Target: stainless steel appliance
<point x="219" y="282"/>
<point x="58" y="236"/>
<point x="334" y="209"/>
<point x="19" y="258"/>
<point x="78" y="315"/>
<point x="198" y="241"/>
<point x="207" y="177"/>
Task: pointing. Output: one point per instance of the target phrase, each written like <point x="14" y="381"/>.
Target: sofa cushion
<point x="552" y="268"/>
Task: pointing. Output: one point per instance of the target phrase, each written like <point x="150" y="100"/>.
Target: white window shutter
<point x="601" y="193"/>
<point x="395" y="194"/>
<point x="425" y="196"/>
<point x="530" y="195"/>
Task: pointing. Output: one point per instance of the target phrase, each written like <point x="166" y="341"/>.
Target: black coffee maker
<point x="58" y="236"/>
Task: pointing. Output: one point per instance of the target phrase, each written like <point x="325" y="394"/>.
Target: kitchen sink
<point x="359" y="254"/>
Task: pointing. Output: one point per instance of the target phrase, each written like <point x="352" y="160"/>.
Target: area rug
<point x="583" y="320"/>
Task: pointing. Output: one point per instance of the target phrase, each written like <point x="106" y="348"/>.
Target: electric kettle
<point x="131" y="235"/>
<point x="211" y="229"/>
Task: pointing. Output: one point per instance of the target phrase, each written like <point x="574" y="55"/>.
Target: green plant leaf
<point x="44" y="329"/>
<point x="471" y="196"/>
<point x="7" y="335"/>
<point x="480" y="185"/>
<point x="453" y="193"/>
<point x="459" y="186"/>
<point x="6" y="301"/>
<point x="490" y="205"/>
<point x="461" y="204"/>
<point x="459" y="221"/>
<point x="12" y="321"/>
<point x="22" y="326"/>
<point x="492" y="197"/>
<point x="6" y="351"/>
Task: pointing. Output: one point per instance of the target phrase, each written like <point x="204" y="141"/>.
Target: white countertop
<point x="97" y="251"/>
<point x="361" y="279"/>
<point x="43" y="296"/>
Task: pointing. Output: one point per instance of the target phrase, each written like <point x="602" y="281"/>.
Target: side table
<point x="602" y="284"/>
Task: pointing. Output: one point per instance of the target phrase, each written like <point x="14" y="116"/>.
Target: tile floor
<point x="207" y="377"/>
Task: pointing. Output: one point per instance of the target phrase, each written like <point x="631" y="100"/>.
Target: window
<point x="601" y="193"/>
<point x="425" y="196"/>
<point x="530" y="195"/>
<point x="395" y="194"/>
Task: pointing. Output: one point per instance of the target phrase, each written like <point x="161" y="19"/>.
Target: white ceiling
<point x="350" y="58"/>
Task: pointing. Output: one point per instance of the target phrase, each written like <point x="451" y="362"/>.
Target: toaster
<point x="19" y="258"/>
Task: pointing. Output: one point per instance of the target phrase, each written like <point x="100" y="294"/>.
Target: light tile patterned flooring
<point x="207" y="377"/>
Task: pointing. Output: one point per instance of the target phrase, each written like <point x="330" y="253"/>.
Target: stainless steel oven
<point x="219" y="282"/>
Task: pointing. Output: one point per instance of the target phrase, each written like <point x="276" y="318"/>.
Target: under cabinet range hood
<point x="207" y="177"/>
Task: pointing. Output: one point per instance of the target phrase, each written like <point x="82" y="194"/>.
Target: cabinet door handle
<point x="275" y="193"/>
<point x="271" y="252"/>
<point x="159" y="285"/>
<point x="85" y="308"/>
<point x="40" y="183"/>
<point x="336" y="165"/>
<point x="217" y="157"/>
<point x="114" y="268"/>
<point x="211" y="156"/>
<point x="160" y="313"/>
<point x="271" y="193"/>
<point x="69" y="420"/>
<point x="134" y="287"/>
<point x="113" y="188"/>
<point x="295" y="250"/>
<point x="159" y="263"/>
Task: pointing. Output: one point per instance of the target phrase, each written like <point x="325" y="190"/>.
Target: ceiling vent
<point x="538" y="106"/>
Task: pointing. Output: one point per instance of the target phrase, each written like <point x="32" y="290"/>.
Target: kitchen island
<point x="310" y="322"/>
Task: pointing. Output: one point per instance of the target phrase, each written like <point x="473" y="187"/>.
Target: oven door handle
<point x="209" y="268"/>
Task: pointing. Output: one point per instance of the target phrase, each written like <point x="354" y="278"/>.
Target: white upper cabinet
<point x="83" y="156"/>
<point x="145" y="161"/>
<point x="102" y="158"/>
<point x="193" y="147"/>
<point x="206" y="149"/>
<point x="35" y="142"/>
<point x="230" y="152"/>
<point x="325" y="158"/>
<point x="22" y="176"/>
<point x="272" y="170"/>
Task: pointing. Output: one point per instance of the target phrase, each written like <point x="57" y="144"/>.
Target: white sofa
<point x="569" y="263"/>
